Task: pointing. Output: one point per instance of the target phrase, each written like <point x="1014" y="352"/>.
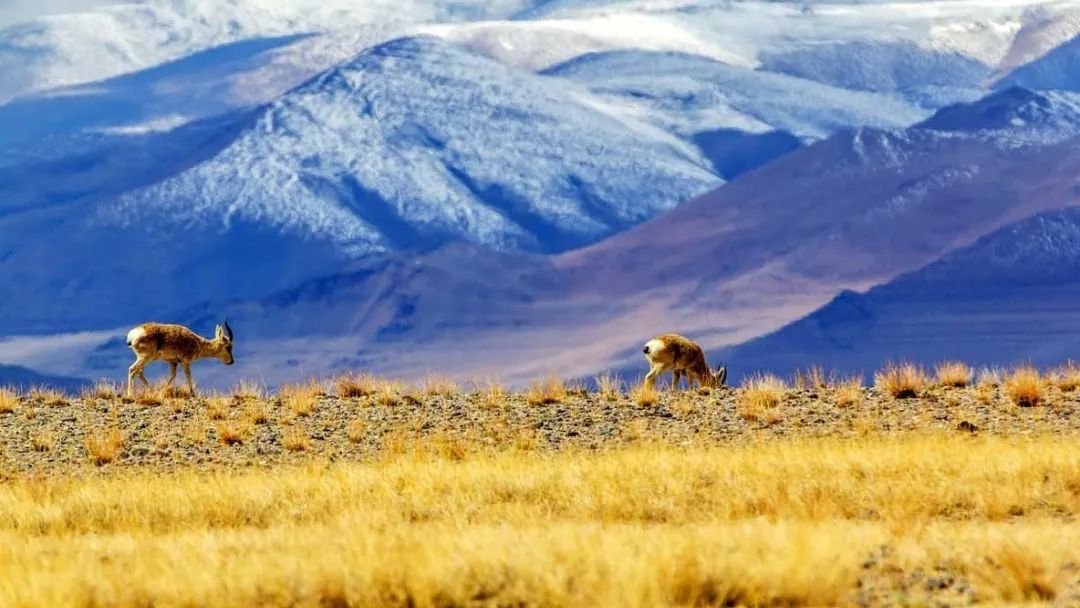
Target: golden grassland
<point x="954" y="489"/>
<point x="802" y="522"/>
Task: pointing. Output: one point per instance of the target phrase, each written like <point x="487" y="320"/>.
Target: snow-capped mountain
<point x="1058" y="69"/>
<point x="856" y="210"/>
<point x="1009" y="298"/>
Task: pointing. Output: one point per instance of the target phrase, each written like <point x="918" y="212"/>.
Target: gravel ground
<point x="43" y="437"/>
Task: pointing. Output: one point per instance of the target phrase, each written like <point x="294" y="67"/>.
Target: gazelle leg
<point x="676" y="376"/>
<point x="133" y="371"/>
<point x="190" y="384"/>
<point x="172" y="374"/>
<point x="650" y="378"/>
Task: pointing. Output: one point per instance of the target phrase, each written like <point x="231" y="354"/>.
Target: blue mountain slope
<point x="1058" y="69"/>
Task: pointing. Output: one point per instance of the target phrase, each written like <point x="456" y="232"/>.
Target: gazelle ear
<point x="721" y="375"/>
<point x="218" y="332"/>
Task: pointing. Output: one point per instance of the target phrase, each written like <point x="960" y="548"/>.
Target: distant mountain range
<point x="508" y="188"/>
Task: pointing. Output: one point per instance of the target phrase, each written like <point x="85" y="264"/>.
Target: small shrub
<point x="546" y="391"/>
<point x="150" y="399"/>
<point x="257" y="413"/>
<point x="230" y="433"/>
<point x="1067" y="377"/>
<point x="295" y="439"/>
<point x="1024" y="386"/>
<point x="388" y="395"/>
<point x="902" y="380"/>
<point x="9" y="400"/>
<point x="644" y="395"/>
<point x="609" y="386"/>
<point x="104" y="446"/>
<point x="301" y="404"/>
<point x="954" y="374"/>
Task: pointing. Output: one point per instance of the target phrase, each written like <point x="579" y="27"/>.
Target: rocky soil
<point x="48" y="435"/>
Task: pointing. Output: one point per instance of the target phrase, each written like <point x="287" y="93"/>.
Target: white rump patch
<point x="135" y="334"/>
<point x="655" y="346"/>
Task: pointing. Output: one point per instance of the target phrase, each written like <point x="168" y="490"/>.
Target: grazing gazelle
<point x="682" y="357"/>
<point x="175" y="344"/>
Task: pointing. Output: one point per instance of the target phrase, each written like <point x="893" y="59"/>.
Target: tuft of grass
<point x="955" y="374"/>
<point x="295" y="439"/>
<point x="1066" y="377"/>
<point x="546" y="391"/>
<point x="1025" y="387"/>
<point x="104" y="445"/>
<point x="492" y="395"/>
<point x="43" y="440"/>
<point x="849" y="393"/>
<point x="357" y="430"/>
<point x="901" y="380"/>
<point x="351" y="386"/>
<point x="232" y="432"/>
<point x="301" y="404"/>
<point x="758" y="398"/>
<point x="257" y="413"/>
<point x="989" y="377"/>
<point x="644" y="395"/>
<point x="248" y="390"/>
<point x="217" y="407"/>
<point x="9" y="400"/>
<point x="439" y="386"/>
<point x="102" y="389"/>
<point x="609" y="386"/>
<point x="48" y="396"/>
<point x="811" y="378"/>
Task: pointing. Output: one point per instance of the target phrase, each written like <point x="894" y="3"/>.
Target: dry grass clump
<point x="759" y="396"/>
<point x="104" y="445"/>
<point x="548" y="390"/>
<point x="43" y="440"/>
<point x="233" y="431"/>
<point x="301" y="404"/>
<point x="439" y="386"/>
<point x="351" y="386"/>
<point x="257" y="413"/>
<point x="954" y="374"/>
<point x="989" y="377"/>
<point x="1066" y="377"/>
<point x="9" y="400"/>
<point x="849" y="393"/>
<point x="357" y="430"/>
<point x="644" y="395"/>
<point x="217" y="407"/>
<point x="901" y="380"/>
<point x="609" y="386"/>
<point x="248" y="390"/>
<point x="48" y="396"/>
<point x="102" y="389"/>
<point x="811" y="378"/>
<point x="296" y="439"/>
<point x="1024" y="386"/>
<point x="492" y="394"/>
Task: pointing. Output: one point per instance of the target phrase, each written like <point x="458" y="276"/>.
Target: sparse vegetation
<point x="953" y="374"/>
<point x="352" y="386"/>
<point x="48" y="396"/>
<point x="901" y="380"/>
<point x="217" y="407"/>
<point x="1024" y="386"/>
<point x="849" y="393"/>
<point x="232" y="432"/>
<point x="548" y="390"/>
<point x="811" y="378"/>
<point x="102" y="390"/>
<point x="759" y="396"/>
<point x="357" y="430"/>
<point x="295" y="439"/>
<point x="104" y="445"/>
<point x="1066" y="377"/>
<point x="609" y="386"/>
<point x="9" y="400"/>
<point x="644" y="395"/>
<point x="43" y="440"/>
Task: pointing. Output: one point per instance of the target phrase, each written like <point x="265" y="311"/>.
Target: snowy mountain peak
<point x="1010" y="109"/>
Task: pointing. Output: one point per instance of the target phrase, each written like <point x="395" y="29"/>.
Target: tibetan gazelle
<point x="682" y="357"/>
<point x="176" y="345"/>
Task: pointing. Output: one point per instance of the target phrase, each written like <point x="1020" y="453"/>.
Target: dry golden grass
<point x="644" y="395"/>
<point x="257" y="413"/>
<point x="351" y="386"/>
<point x="767" y="523"/>
<point x="492" y="394"/>
<point x="230" y="432"/>
<point x="9" y="400"/>
<point x="296" y="439"/>
<point x="848" y="393"/>
<point x="43" y="440"/>
<point x="248" y="390"/>
<point x="953" y="374"/>
<point x="989" y="377"/>
<point x="104" y="445"/>
<point x="301" y="404"/>
<point x="811" y="378"/>
<point x="357" y="430"/>
<point x="1025" y="387"/>
<point x="901" y="380"/>
<point x="217" y="407"/>
<point x="102" y="389"/>
<point x="1066" y="377"/>
<point x="545" y="391"/>
<point x="759" y="396"/>
<point x="439" y="386"/>
<point x="609" y="386"/>
<point x="49" y="396"/>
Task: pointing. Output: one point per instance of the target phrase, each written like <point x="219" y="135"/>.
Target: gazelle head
<point x="710" y="379"/>
<point x="223" y="343"/>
